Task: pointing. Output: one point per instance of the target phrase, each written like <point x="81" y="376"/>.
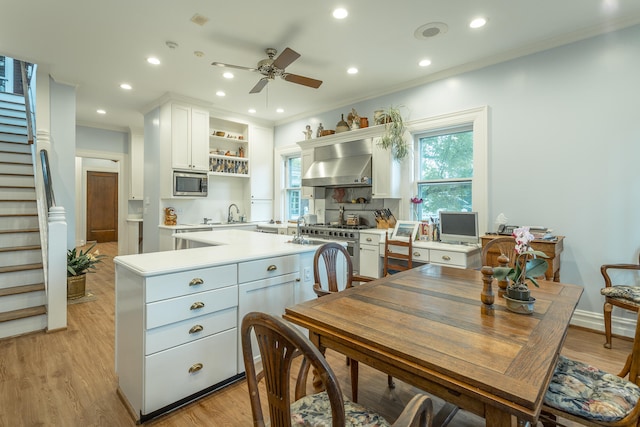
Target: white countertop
<point x="228" y="246"/>
<point x="208" y="226"/>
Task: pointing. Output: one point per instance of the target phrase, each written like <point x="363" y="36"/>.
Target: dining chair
<point x="589" y="396"/>
<point x="279" y="345"/>
<point x="623" y="296"/>
<point x="397" y="256"/>
<point x="504" y="247"/>
<point x="328" y="260"/>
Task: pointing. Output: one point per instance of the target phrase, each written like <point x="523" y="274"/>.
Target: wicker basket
<point x="76" y="286"/>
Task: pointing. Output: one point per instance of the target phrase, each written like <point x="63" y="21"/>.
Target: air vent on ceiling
<point x="430" y="30"/>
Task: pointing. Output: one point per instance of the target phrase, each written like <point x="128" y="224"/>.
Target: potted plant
<point x="394" y="135"/>
<point x="527" y="266"/>
<point x="79" y="263"/>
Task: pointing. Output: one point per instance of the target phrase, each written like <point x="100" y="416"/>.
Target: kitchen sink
<point x="309" y="242"/>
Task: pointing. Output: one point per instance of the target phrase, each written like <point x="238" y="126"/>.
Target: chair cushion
<point x="588" y="392"/>
<point x="631" y="293"/>
<point x="315" y="411"/>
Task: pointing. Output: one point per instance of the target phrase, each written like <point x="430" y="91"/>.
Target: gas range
<point x="334" y="231"/>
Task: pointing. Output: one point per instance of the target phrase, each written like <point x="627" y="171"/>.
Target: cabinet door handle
<point x="196" y="281"/>
<point x="446" y="257"/>
<point x="195" y="367"/>
<point x="196" y="328"/>
<point x="196" y="305"/>
<point x="416" y="254"/>
<point x="272" y="268"/>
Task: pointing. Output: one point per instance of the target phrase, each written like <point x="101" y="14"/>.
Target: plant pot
<point x="76" y="286"/>
<point x="520" y="306"/>
<point x="520" y="293"/>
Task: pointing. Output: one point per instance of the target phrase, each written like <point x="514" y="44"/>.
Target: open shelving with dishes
<point x="228" y="148"/>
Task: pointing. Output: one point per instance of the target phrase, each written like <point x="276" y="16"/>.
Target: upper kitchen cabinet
<point x="261" y="156"/>
<point x="189" y="138"/>
<point x="228" y="148"/>
<point x="385" y="181"/>
<point x="136" y="166"/>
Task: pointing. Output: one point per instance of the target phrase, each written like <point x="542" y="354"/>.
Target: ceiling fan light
<point x="340" y="13"/>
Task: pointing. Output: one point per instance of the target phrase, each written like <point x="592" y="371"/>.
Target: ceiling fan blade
<point x="238" y="67"/>
<point x="285" y="58"/>
<point x="260" y="85"/>
<point x="302" y="80"/>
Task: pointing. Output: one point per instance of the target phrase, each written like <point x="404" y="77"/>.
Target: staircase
<point x="22" y="289"/>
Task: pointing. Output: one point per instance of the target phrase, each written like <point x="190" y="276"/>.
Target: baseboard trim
<point x="595" y="321"/>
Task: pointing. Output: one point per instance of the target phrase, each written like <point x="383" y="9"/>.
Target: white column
<point x="57" y="265"/>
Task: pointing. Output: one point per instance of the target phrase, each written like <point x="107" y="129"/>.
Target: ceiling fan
<point x="270" y="68"/>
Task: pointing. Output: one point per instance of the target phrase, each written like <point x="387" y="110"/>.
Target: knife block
<point x="386" y="223"/>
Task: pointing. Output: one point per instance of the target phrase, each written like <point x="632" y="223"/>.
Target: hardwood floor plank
<point x="67" y="378"/>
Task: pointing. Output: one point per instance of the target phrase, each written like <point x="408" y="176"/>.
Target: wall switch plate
<point x="307" y="274"/>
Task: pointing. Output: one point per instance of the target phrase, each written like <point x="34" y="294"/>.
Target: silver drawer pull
<point x="196" y="328"/>
<point x="416" y="254"/>
<point x="195" y="367"/>
<point x="272" y="268"/>
<point x="196" y="281"/>
<point x="446" y="257"/>
<point x="196" y="305"/>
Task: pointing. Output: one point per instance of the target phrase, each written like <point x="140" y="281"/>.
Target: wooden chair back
<point x="397" y="256"/>
<point x="609" y="302"/>
<point x="279" y="344"/>
<point x="329" y="259"/>
<point x="499" y="252"/>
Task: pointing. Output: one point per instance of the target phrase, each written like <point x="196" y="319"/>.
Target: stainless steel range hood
<point x="340" y="165"/>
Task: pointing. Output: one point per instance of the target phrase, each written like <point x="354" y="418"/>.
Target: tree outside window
<point x="445" y="170"/>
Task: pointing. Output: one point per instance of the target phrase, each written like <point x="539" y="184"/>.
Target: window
<point x="444" y="171"/>
<point x="296" y="206"/>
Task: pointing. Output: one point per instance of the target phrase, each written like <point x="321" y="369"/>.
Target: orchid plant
<point x="416" y="202"/>
<point x="527" y="265"/>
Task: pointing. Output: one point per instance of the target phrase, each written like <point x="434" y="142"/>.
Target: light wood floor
<point x="67" y="378"/>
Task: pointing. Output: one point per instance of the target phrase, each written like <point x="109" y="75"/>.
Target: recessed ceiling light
<point x="199" y="19"/>
<point x="424" y="63"/>
<point x="153" y="60"/>
<point x="125" y="86"/>
<point x="352" y="70"/>
<point x="478" y="23"/>
<point x="100" y="111"/>
<point x="221" y="93"/>
<point x="228" y="75"/>
<point x="252" y="110"/>
<point x="198" y="53"/>
<point x="430" y="30"/>
<point x="280" y="110"/>
<point x="340" y="13"/>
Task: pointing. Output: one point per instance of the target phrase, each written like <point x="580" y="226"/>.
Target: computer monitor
<point x="459" y="227"/>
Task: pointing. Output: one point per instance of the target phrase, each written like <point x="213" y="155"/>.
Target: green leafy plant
<point x="394" y="135"/>
<point x="527" y="265"/>
<point x="81" y="262"/>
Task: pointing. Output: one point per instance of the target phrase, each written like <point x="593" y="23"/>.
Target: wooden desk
<point x="550" y="248"/>
<point x="425" y="327"/>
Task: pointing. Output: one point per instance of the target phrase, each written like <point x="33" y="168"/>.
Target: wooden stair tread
<point x="24" y="267"/>
<point x="23" y="230"/>
<point x="36" y="287"/>
<point x="22" y="313"/>
<point x="20" y="248"/>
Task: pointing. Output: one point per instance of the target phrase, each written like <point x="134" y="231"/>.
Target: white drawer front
<point x="190" y="306"/>
<point x="189" y="282"/>
<point x="265" y="268"/>
<point x="448" y="258"/>
<point x="175" y="334"/>
<point x="421" y="255"/>
<point x="167" y="373"/>
<point x="371" y="239"/>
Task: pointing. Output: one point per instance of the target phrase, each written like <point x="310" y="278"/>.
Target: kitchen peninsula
<point x="178" y="312"/>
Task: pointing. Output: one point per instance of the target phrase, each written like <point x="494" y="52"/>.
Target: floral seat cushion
<point x="315" y="411"/>
<point x="631" y="293"/>
<point x="587" y="392"/>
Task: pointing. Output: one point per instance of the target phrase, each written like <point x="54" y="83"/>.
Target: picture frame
<point x="405" y="230"/>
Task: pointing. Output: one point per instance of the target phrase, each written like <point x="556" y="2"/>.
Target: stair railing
<point x="52" y="220"/>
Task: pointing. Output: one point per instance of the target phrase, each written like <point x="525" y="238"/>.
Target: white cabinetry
<point x="261" y="182"/>
<point x="385" y="182"/>
<point x="189" y="138"/>
<point x="370" y="261"/>
<point x="458" y="256"/>
<point x="176" y="335"/>
<point x="266" y="285"/>
<point x="136" y="166"/>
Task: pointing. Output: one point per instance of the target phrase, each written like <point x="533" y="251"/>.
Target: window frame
<point x="478" y="119"/>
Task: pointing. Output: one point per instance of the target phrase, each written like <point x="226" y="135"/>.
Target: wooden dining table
<point x="429" y="328"/>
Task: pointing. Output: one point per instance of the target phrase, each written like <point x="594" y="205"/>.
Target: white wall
<point x="564" y="145"/>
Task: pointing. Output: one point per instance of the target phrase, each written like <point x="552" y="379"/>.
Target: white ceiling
<point x="97" y="45"/>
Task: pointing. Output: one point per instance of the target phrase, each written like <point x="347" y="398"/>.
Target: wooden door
<point x="102" y="206"/>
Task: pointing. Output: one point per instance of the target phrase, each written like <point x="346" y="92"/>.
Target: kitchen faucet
<point x="230" y="216"/>
<point x="298" y="237"/>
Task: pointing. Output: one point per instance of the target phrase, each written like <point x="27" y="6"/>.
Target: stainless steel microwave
<point x="190" y="184"/>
